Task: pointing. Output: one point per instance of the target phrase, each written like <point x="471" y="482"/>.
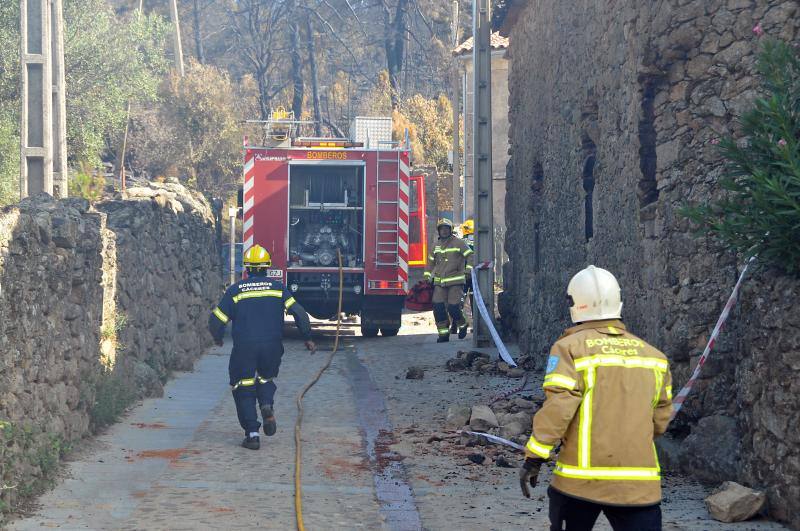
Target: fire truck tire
<point x="389" y="332"/>
<point x="368" y="331"/>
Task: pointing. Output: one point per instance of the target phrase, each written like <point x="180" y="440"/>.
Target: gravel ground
<point x="175" y="463"/>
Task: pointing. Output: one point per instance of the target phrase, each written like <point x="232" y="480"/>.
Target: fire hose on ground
<point x="298" y="468"/>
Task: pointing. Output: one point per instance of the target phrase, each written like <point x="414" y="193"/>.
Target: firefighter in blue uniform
<point x="256" y="307"/>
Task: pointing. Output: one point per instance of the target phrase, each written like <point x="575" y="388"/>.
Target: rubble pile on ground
<point x="510" y="419"/>
<point x="482" y="363"/>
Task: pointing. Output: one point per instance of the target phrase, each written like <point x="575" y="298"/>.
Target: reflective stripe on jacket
<point x="257" y="306"/>
<point x="609" y="394"/>
<point x="449" y="263"/>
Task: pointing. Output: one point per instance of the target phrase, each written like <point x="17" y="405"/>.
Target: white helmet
<point x="595" y="295"/>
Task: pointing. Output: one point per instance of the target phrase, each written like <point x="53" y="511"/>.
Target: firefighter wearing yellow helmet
<point x="608" y="395"/>
<point x="448" y="268"/>
<point x="255" y="306"/>
<point x="468" y="231"/>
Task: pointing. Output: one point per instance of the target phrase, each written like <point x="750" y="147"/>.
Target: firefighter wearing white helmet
<point x="448" y="268"/>
<point x="608" y="395"/>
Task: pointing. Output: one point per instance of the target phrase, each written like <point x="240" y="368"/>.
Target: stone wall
<point x="615" y="107"/>
<point x="97" y="306"/>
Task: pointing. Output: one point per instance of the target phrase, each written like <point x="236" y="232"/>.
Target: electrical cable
<point x="298" y="469"/>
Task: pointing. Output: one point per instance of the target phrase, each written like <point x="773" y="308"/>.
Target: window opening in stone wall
<point x="588" y="188"/>
<point x="537" y="177"/>
<point x="587" y="178"/>
<point x="648" y="188"/>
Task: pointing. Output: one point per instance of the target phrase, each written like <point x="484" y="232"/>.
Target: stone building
<point x="615" y="108"/>
<point x="463" y="54"/>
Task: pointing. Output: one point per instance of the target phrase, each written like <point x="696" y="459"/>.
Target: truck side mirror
<point x="240" y="198"/>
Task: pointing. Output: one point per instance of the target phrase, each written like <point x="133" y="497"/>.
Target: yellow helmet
<point x="468" y="227"/>
<point x="444" y="222"/>
<point x="257" y="257"/>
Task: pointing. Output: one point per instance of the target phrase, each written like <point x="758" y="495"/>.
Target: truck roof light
<point x="326" y="144"/>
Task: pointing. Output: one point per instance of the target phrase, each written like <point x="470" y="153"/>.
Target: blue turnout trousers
<point x="252" y="369"/>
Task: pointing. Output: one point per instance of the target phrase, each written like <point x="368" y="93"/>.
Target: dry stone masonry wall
<point x="615" y="108"/>
<point x="97" y="306"/>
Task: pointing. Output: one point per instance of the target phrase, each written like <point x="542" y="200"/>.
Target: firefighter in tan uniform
<point x="448" y="268"/>
<point x="608" y="395"/>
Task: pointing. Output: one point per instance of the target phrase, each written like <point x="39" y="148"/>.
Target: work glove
<point x="529" y="474"/>
<point x="310" y="345"/>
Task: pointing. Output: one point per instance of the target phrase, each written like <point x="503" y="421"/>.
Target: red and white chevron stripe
<point x="249" y="201"/>
<point x="402" y="223"/>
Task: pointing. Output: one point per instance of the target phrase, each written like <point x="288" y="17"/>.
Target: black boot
<point x="443" y="339"/>
<point x="268" y="416"/>
<point x="251" y="443"/>
<point x="453" y="328"/>
<point x="462" y="332"/>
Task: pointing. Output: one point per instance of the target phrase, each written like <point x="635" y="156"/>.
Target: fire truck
<point x="310" y="200"/>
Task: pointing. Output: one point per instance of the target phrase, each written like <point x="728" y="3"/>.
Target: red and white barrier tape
<point x="680" y="398"/>
<point x="485" y="314"/>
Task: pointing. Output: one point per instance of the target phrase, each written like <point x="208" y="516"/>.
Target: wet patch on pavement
<point x="392" y="490"/>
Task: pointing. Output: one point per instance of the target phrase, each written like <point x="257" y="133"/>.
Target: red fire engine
<point x="308" y="199"/>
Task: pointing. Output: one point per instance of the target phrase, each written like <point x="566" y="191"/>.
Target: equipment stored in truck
<point x="308" y="199"/>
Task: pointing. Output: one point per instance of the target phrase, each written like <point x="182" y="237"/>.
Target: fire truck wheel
<point x="369" y="332"/>
<point x="389" y="332"/>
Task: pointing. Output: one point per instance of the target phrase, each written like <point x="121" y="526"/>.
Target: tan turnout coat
<point x="608" y="395"/>
<point x="450" y="262"/>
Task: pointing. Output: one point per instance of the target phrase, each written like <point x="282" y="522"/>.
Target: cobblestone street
<point x="175" y="462"/>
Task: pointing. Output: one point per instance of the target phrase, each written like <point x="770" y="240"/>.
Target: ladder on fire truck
<point x="387" y="235"/>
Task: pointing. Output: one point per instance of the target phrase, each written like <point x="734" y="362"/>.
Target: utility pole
<point x="43" y="144"/>
<point x="177" y="37"/>
<point x="60" y="176"/>
<point x="482" y="161"/>
<point x="36" y="126"/>
<point x="456" y="132"/>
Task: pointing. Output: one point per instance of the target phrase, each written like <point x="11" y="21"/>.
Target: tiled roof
<point x="497" y="41"/>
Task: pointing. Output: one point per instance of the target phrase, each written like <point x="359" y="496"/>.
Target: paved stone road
<point x="174" y="462"/>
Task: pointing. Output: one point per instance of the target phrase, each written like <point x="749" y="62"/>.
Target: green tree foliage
<point x="760" y="212"/>
<point x="108" y="62"/>
<point x="196" y="132"/>
<point x="9" y="101"/>
<point x="87" y="183"/>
